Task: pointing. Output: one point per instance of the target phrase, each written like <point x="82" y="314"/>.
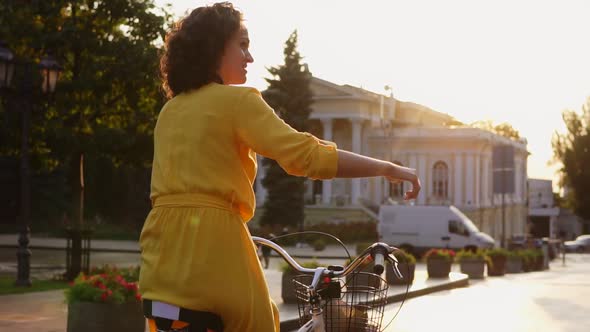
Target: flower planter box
<point x="514" y="265"/>
<point x="527" y="265"/>
<point x="538" y="264"/>
<point x="100" y="317"/>
<point x="438" y="267"/>
<point x="407" y="271"/>
<point x="497" y="267"/>
<point x="473" y="267"/>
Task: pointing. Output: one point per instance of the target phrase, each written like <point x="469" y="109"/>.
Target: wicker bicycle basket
<point x="359" y="306"/>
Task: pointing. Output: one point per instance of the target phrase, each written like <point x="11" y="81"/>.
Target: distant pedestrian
<point x="266" y="252"/>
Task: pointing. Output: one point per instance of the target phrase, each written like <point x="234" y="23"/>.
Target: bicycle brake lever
<point x="394" y="262"/>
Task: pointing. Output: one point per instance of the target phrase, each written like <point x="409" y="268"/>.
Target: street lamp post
<point x="22" y="94"/>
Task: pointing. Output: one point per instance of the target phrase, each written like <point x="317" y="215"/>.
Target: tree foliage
<point x="290" y="96"/>
<point x="572" y="150"/>
<point x="503" y="129"/>
<point x="108" y="95"/>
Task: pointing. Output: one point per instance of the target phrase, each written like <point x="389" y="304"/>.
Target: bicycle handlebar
<point x="377" y="251"/>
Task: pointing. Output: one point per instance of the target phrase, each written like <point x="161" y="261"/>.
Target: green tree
<point x="290" y="96"/>
<point x="503" y="129"/>
<point x="572" y="150"/>
<point x="108" y="95"/>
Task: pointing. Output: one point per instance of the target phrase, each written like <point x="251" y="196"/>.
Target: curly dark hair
<point x="194" y="47"/>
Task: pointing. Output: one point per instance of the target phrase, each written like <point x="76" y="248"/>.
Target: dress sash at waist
<point x="195" y="200"/>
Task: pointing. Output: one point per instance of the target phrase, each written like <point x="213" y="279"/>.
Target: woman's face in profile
<point x="235" y="58"/>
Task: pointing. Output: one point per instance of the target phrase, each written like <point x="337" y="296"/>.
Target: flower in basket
<point x="446" y="254"/>
<point x="105" y="285"/>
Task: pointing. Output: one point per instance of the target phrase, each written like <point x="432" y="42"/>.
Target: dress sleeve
<point x="298" y="153"/>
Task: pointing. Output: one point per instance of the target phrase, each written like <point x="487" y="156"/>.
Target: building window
<point x="396" y="190"/>
<point x="440" y="180"/>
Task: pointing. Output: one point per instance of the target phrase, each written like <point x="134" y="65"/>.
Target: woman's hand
<point x="399" y="174"/>
<point x="413" y="194"/>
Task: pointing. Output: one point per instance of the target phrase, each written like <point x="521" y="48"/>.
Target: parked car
<point x="580" y="244"/>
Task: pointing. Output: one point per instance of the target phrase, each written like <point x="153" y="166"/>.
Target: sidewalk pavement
<point x="47" y="312"/>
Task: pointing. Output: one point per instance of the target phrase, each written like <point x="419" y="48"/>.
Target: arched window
<point x="396" y="190"/>
<point x="440" y="180"/>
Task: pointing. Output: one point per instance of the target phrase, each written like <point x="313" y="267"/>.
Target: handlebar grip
<point x="379" y="263"/>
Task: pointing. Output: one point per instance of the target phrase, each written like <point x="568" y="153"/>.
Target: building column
<point x="469" y="179"/>
<point x="377" y="185"/>
<point x="485" y="185"/>
<point x="422" y="171"/>
<point x="517" y="178"/>
<point x="477" y="182"/>
<point x="357" y="126"/>
<point x="327" y="124"/>
<point x="458" y="192"/>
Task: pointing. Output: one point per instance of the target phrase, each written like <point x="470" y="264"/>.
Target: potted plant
<point x="528" y="259"/>
<point x="438" y="262"/>
<point x="472" y="262"/>
<point x="538" y="257"/>
<point x="497" y="263"/>
<point x="406" y="265"/>
<point x="287" y="285"/>
<point x="106" y="299"/>
<point x="514" y="262"/>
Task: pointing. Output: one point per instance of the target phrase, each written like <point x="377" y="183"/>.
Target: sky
<point x="517" y="61"/>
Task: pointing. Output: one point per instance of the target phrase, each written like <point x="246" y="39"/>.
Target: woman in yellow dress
<point x="197" y="253"/>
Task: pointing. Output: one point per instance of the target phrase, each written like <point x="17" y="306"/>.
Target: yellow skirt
<point x="203" y="258"/>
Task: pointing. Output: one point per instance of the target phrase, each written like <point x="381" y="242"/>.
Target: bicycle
<point x="325" y="301"/>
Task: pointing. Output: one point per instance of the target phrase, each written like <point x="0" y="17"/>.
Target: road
<point x="557" y="300"/>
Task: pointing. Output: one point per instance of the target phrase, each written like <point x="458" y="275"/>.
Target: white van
<point x="419" y="228"/>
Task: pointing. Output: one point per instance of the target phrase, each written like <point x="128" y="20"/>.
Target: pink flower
<point x="105" y="295"/>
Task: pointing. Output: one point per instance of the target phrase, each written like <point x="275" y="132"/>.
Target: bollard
<point x="562" y="252"/>
<point x="545" y="248"/>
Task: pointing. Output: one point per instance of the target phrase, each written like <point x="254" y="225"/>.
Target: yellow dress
<point x="196" y="250"/>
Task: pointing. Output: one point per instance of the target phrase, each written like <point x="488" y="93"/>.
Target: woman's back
<point x="195" y="150"/>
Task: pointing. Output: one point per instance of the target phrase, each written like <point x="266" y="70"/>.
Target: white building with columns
<point x="454" y="163"/>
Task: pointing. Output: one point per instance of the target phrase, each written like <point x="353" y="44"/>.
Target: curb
<point x="293" y="324"/>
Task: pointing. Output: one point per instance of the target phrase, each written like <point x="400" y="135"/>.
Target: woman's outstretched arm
<point x="352" y="165"/>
